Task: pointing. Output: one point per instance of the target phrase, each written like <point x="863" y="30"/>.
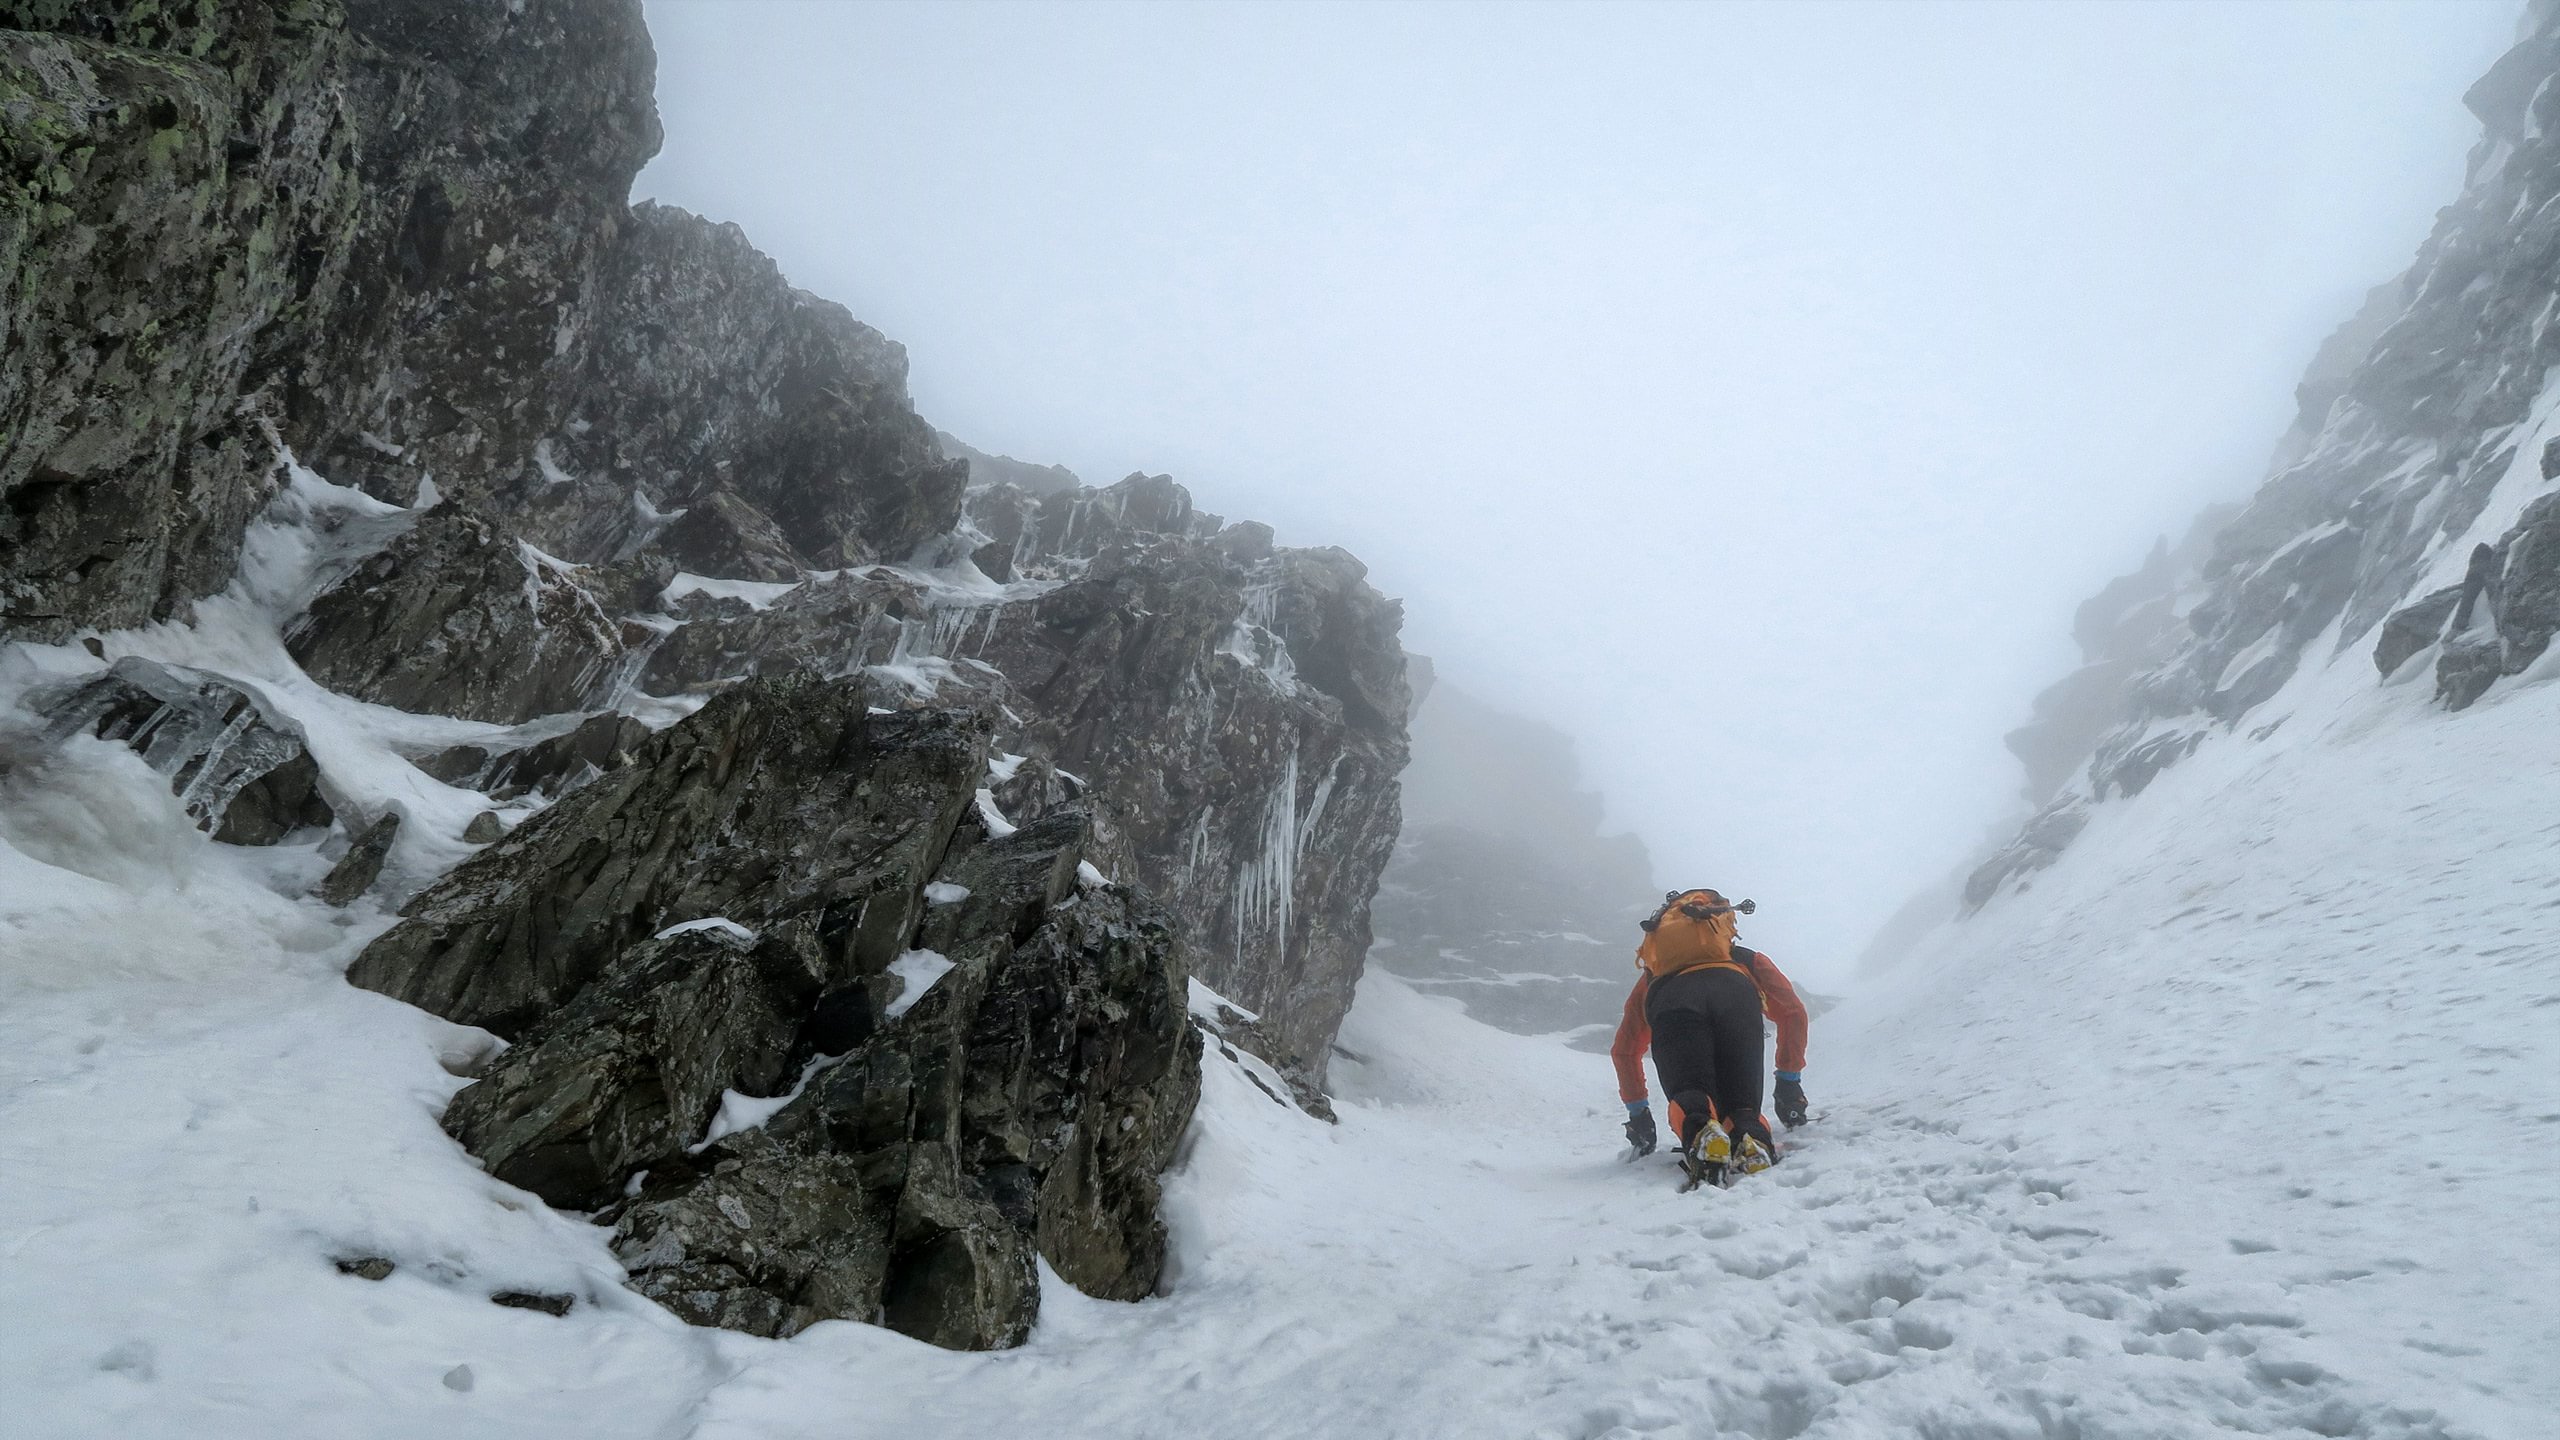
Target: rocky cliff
<point x="2410" y="512"/>
<point x="745" y="638"/>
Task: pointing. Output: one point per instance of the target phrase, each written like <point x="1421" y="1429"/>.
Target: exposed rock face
<point x="552" y="766"/>
<point x="713" y="377"/>
<point x="1230" y="712"/>
<point x="497" y="145"/>
<point x="356" y="870"/>
<point x="240" y="768"/>
<point x="2037" y="846"/>
<point x="631" y="1071"/>
<point x="2132" y="625"/>
<point x="456" y="618"/>
<point x="202" y="147"/>
<point x="394" y="237"/>
<point x="779" y="799"/>
<point x="2420" y="459"/>
<point x="374" y="224"/>
<point x="1503" y="891"/>
<point x="996" y="1068"/>
<point x="1239" y="727"/>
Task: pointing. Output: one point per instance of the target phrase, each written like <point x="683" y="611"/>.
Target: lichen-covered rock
<point x="456" y="618"/>
<point x="779" y="799"/>
<point x="200" y="146"/>
<point x="240" y="767"/>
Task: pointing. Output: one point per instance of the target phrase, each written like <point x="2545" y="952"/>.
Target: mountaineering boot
<point x="1751" y="1157"/>
<point x="1708" y="1156"/>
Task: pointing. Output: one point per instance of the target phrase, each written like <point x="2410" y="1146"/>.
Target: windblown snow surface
<point x="2242" y="1121"/>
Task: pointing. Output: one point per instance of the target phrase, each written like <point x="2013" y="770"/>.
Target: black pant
<point x="1707" y="1048"/>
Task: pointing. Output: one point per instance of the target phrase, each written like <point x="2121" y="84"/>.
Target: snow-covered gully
<point x="1462" y="1256"/>
<point x="2222" y="1127"/>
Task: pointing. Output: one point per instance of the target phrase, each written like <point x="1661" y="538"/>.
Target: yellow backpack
<point x="1676" y="939"/>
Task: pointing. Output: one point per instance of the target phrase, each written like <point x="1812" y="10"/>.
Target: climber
<point x="1697" y="1003"/>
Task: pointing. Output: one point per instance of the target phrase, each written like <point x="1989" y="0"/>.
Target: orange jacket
<point x="1777" y="1001"/>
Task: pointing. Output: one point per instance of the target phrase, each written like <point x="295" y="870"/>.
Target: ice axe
<point x="1697" y="909"/>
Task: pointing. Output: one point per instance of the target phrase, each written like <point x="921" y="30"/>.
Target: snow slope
<point x="199" y="1118"/>
<point x="2294" y="1017"/>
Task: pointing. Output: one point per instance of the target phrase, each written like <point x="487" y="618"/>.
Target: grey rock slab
<point x="456" y="617"/>
<point x="779" y="798"/>
<point x="630" y="1072"/>
<point x="356" y="870"/>
<point x="552" y="766"/>
<point x="2413" y="628"/>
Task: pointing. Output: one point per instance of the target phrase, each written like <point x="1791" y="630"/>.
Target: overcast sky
<point x="1750" y="390"/>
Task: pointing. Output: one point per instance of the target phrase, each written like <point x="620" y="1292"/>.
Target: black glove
<point x="1791" y="1106"/>
<point x="1640" y="1132"/>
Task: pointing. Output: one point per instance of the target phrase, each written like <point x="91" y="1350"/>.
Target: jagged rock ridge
<point x="638" y="470"/>
<point x="2409" y="510"/>
<point x="608" y="419"/>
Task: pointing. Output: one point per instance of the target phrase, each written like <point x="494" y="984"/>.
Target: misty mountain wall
<point x="606" y="471"/>
<point x="2410" y="512"/>
<point x="1504" y="891"/>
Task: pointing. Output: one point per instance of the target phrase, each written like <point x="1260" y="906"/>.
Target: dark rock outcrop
<point x="631" y="1070"/>
<point x="712" y="376"/>
<point x="2037" y="846"/>
<point x="239" y="766"/>
<point x="2133" y="624"/>
<point x="551" y="766"/>
<point x="393" y="239"/>
<point x="986" y="469"/>
<point x="455" y="618"/>
<point x="409" y="227"/>
<point x="973" y="1054"/>
<point x="1237" y="729"/>
<point x="1230" y="712"/>
<point x="2413" y="628"/>
<point x="356" y="870"/>
<point x="205" y="148"/>
<point x="1024" y="1105"/>
<point x="396" y="236"/>
<point x="783" y="798"/>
